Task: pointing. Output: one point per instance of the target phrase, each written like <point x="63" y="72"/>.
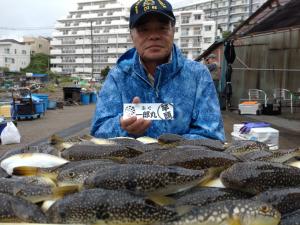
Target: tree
<point x="4" y="69"/>
<point x="105" y="71"/>
<point x="38" y="64"/>
<point x="225" y="34"/>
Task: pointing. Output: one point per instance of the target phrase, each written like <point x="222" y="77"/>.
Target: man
<point x="156" y="72"/>
<point x="214" y="69"/>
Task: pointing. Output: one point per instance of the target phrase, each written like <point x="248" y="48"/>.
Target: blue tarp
<point x="39" y="75"/>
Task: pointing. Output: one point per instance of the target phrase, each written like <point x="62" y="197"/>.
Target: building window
<point x="197" y="17"/>
<point x="24" y="52"/>
<point x="185" y="31"/>
<point x="207" y="28"/>
<point x="196" y="42"/>
<point x="197" y="30"/>
<point x="207" y="40"/>
<point x="6" y="50"/>
<point x="185" y="19"/>
<point x="184" y="43"/>
<point x="40" y="46"/>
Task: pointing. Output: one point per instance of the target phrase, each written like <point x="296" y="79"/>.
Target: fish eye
<point x="264" y="208"/>
<point x="71" y="174"/>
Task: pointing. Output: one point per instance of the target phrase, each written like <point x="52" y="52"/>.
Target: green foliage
<point x="105" y="71"/>
<point x="226" y="33"/>
<point x="4" y="69"/>
<point x="38" y="64"/>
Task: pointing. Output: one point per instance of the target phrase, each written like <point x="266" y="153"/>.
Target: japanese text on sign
<point x="149" y="111"/>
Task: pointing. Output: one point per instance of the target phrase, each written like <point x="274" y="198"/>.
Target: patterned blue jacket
<point x="185" y="83"/>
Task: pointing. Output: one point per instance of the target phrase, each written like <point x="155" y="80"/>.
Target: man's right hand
<point x="133" y="125"/>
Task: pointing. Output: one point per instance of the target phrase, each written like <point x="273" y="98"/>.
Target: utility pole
<point x="92" y="49"/>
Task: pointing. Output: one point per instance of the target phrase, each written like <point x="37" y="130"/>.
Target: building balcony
<point x="112" y="41"/>
<point x="83" y="51"/>
<point x="55" y="42"/>
<point x="112" y="50"/>
<point x="55" y="52"/>
<point x="122" y="40"/>
<point x="83" y="42"/>
<point x="83" y="70"/>
<point x="56" y="69"/>
<point x="56" y="61"/>
<point x="89" y="16"/>
<point x="83" y="60"/>
<point x="112" y="60"/>
<point x="57" y="34"/>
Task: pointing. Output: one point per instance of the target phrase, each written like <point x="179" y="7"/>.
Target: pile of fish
<point x="168" y="181"/>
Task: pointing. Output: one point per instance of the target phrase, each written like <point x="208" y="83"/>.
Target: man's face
<point x="153" y="38"/>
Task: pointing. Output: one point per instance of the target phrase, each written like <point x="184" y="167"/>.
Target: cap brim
<point x="147" y="13"/>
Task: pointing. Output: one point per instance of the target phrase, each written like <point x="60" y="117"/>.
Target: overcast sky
<point x="19" y="18"/>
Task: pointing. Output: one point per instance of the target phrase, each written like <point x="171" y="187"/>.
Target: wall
<point x="273" y="62"/>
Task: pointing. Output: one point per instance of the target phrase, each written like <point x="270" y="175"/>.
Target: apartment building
<point x="38" y="44"/>
<point x="14" y="55"/>
<point x="193" y="33"/>
<point x="227" y="13"/>
<point x="95" y="35"/>
<point x="91" y="37"/>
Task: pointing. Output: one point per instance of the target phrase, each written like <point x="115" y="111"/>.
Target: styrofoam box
<point x="267" y="135"/>
<point x="249" y="109"/>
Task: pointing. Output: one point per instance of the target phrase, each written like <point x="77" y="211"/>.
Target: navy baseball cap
<point x="144" y="7"/>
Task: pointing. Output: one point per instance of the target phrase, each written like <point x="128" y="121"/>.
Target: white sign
<point x="149" y="111"/>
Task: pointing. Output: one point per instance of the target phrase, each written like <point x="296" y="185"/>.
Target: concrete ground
<point x="73" y="120"/>
<point x="67" y="121"/>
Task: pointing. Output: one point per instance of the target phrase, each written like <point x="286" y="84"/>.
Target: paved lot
<point x="76" y="119"/>
<point x="73" y="118"/>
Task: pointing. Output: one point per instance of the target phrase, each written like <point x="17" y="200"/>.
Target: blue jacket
<point x="185" y="83"/>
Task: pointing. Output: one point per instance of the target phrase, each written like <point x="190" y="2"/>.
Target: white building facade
<point x="96" y="34"/>
<point x="14" y="55"/>
<point x="227" y="13"/>
<point x="193" y="34"/>
<point x="90" y="38"/>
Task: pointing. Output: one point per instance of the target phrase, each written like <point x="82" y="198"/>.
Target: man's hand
<point x="133" y="125"/>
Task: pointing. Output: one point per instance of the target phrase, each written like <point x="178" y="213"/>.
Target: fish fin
<point x="210" y="174"/>
<point x="64" y="190"/>
<point x="295" y="164"/>
<point x="102" y="141"/>
<point x="86" y="137"/>
<point x="33" y="171"/>
<point x="213" y="183"/>
<point x="183" y="209"/>
<point x="161" y="200"/>
<point x="55" y="139"/>
<point x="234" y="221"/>
<point x="117" y="159"/>
<point x="135" y="149"/>
<point x="26" y="171"/>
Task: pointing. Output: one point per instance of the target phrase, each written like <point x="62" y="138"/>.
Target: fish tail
<point x="33" y="171"/>
<point x="211" y="174"/>
<point x="26" y="171"/>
